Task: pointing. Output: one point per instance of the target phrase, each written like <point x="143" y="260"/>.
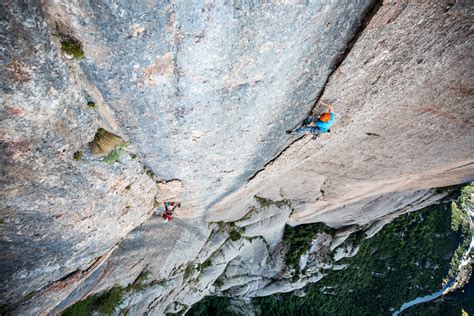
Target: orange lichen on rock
<point x="162" y="66"/>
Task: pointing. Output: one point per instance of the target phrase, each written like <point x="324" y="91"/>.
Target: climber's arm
<point x="329" y="106"/>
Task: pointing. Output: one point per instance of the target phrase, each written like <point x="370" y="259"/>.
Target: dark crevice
<point x="168" y="181"/>
<point x="364" y="22"/>
<point x="372" y="134"/>
<point x="274" y="158"/>
<point x="461" y="166"/>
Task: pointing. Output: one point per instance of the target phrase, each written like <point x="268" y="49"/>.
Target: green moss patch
<point x="188" y="272"/>
<point x="267" y="202"/>
<point x="235" y="235"/>
<point x="205" y="264"/>
<point x="222" y="226"/>
<point x="114" y="155"/>
<point x="72" y="46"/>
<point x="150" y="173"/>
<point x="218" y="283"/>
<point x="77" y="155"/>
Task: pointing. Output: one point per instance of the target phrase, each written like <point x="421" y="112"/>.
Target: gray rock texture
<point x="202" y="93"/>
<point x="59" y="214"/>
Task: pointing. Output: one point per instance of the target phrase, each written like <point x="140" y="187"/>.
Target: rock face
<point x="188" y="85"/>
<point x="202" y="94"/>
<point x="60" y="214"/>
<point x="395" y="126"/>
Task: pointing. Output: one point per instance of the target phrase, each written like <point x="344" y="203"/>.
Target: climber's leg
<point x="308" y="120"/>
<point x="307" y="129"/>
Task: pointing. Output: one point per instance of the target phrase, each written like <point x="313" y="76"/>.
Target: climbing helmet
<point x="325" y="117"/>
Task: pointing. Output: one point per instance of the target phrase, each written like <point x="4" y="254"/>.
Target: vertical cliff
<point x="200" y="94"/>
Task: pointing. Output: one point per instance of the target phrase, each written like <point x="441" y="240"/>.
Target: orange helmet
<point x="325" y="117"/>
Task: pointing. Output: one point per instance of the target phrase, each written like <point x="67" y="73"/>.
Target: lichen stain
<point x="18" y="72"/>
<point x="171" y="23"/>
<point x="163" y="66"/>
<point x="15" y="111"/>
<point x="137" y="30"/>
<point x="464" y="90"/>
<point x="436" y="113"/>
<point x="17" y="150"/>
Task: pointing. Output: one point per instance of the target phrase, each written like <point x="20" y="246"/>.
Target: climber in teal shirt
<point x="318" y="125"/>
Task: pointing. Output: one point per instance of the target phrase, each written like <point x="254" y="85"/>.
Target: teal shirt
<point x="325" y="126"/>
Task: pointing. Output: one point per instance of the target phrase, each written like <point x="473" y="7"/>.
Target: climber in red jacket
<point x="169" y="208"/>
